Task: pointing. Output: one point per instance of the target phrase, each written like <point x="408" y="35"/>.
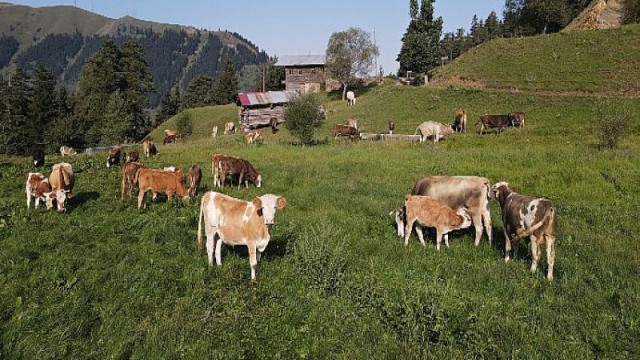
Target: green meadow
<point x="106" y="280"/>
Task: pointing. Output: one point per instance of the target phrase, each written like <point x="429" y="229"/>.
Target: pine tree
<point x="118" y="120"/>
<point x="16" y="134"/>
<point x="420" y="51"/>
<point x="197" y="92"/>
<point x="43" y="103"/>
<point x="226" y="88"/>
<point x="137" y="85"/>
<point x="169" y="106"/>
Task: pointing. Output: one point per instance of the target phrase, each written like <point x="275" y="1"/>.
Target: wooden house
<point x="303" y="73"/>
<point x="257" y="108"/>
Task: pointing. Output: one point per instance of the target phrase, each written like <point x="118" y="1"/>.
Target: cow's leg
<point x="535" y="253"/>
<point x="486" y="220"/>
<point x="29" y="200"/>
<point x="407" y="232"/>
<point x="551" y="254"/>
<point x="476" y="219"/>
<point x="507" y="246"/>
<point x="439" y="238"/>
<point x="218" y="251"/>
<point x="253" y="260"/>
<point x="140" y="198"/>
<point x="210" y="240"/>
<point x="446" y="239"/>
<point x="420" y="232"/>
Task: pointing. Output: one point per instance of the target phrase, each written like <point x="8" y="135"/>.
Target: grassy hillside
<point x="604" y="61"/>
<point x="108" y="280"/>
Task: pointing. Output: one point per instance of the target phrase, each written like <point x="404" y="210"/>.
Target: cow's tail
<point x="528" y="232"/>
<point x="202" y="202"/>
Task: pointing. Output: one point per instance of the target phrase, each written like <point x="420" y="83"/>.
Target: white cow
<point x="434" y="130"/>
<point x="351" y="98"/>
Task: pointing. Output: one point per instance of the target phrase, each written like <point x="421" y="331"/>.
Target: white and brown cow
<point x="149" y="148"/>
<point x="170" y="136"/>
<point x="353" y="122"/>
<point x="517" y="119"/>
<point x="524" y="216"/>
<point x="237" y="222"/>
<point x="229" y="128"/>
<point x="460" y="120"/>
<point x="434" y="130"/>
<point x="62" y="182"/>
<point x="470" y="192"/>
<point x="36" y="186"/>
<point x="67" y="151"/>
<point x="432" y="213"/>
<point x="345" y="130"/>
<point x="253" y="136"/>
<point x="160" y="181"/>
<point x="392" y="126"/>
<point x="115" y="155"/>
<point x="129" y="171"/>
<point x="214" y="131"/>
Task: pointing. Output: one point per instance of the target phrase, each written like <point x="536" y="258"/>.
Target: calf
<point x="114" y="156"/>
<point x="36" y="186"/>
<point x="517" y="119"/>
<point x="253" y="136"/>
<point x="229" y="128"/>
<point x="494" y="121"/>
<point x="38" y="157"/>
<point x="433" y="213"/>
<point x="67" y="151"/>
<point x="524" y="216"/>
<point x="159" y="181"/>
<point x="129" y="171"/>
<point x="62" y="182"/>
<point x="392" y="126"/>
<point x="149" y="148"/>
<point x="237" y="222"/>
<point x="132" y="156"/>
<point x="170" y="136"/>
<point x="241" y="168"/>
<point x="345" y="130"/>
<point x="195" y="175"/>
<point x="432" y="129"/>
<point x="470" y="192"/>
<point x="460" y="121"/>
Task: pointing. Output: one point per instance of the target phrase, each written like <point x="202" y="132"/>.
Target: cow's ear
<point x="257" y="202"/>
<point x="69" y="194"/>
<point x="281" y="202"/>
<point x="52" y="195"/>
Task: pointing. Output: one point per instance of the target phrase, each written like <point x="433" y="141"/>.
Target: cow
<point x="273" y="123"/>
<point x="170" y="136"/>
<point x="345" y="130"/>
<point x="38" y="157"/>
<point x="214" y="131"/>
<point x="159" y="181"/>
<point x="517" y="119"/>
<point x="434" y="130"/>
<point x="524" y="216"/>
<point x="149" y="148"/>
<point x="351" y="98"/>
<point x="432" y="213"/>
<point x="234" y="166"/>
<point x="133" y="156"/>
<point x="67" y="151"/>
<point x="237" y="222"/>
<point x="494" y="121"/>
<point x="229" y="128"/>
<point x="129" y="171"/>
<point x="351" y="121"/>
<point x="253" y="136"/>
<point x="392" y="126"/>
<point x="215" y="168"/>
<point x="62" y="182"/>
<point x="470" y="192"/>
<point x="36" y="186"/>
<point x="115" y="154"/>
<point x="460" y="121"/>
<point x="195" y="175"/>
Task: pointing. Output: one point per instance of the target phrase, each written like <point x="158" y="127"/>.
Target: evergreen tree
<point x="226" y="88"/>
<point x="169" y="106"/>
<point x="118" y="120"/>
<point x="16" y="134"/>
<point x="137" y="85"/>
<point x="197" y="92"/>
<point x="43" y="103"/>
<point x="420" y="51"/>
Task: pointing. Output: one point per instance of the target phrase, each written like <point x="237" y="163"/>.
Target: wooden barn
<point x="303" y="73"/>
<point x="257" y="108"/>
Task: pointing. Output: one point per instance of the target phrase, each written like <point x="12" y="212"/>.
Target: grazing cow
<point x="460" y="121"/>
<point x="517" y="119"/>
<point x="67" y="151"/>
<point x="129" y="171"/>
<point x="38" y="157"/>
<point x="36" y="186"/>
<point x="345" y="130"/>
<point x="229" y="128"/>
<point x="351" y="98"/>
<point x="494" y="121"/>
<point x="470" y="192"/>
<point x="195" y="175"/>
<point x="392" y="126"/>
<point x="132" y="156"/>
<point x="273" y="123"/>
<point x="114" y="156"/>
<point x="253" y="136"/>
<point x="62" y="182"/>
<point x="432" y="213"/>
<point x="237" y="222"/>
<point x="434" y="130"/>
<point x="170" y="136"/>
<point x="149" y="148"/>
<point x="214" y="132"/>
<point x="524" y="216"/>
<point x="351" y="121"/>
<point x="215" y="167"/>
<point x="159" y="181"/>
<point x="234" y="166"/>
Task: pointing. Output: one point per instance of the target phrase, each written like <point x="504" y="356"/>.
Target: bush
<point x="611" y="124"/>
<point x="183" y="124"/>
<point x="302" y="116"/>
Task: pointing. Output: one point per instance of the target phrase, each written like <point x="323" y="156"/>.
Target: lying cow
<point x="494" y="121"/>
<point x="62" y="182"/>
<point x="237" y="222"/>
<point x="38" y="157"/>
<point x="345" y="130"/>
<point x="129" y="171"/>
<point x="460" y="121"/>
<point x="159" y="181"/>
<point x="149" y="148"/>
<point x="470" y="192"/>
<point x="434" y="130"/>
<point x="170" y="136"/>
<point x="67" y="151"/>
<point x="229" y="128"/>
<point x="432" y="213"/>
<point x="240" y="168"/>
<point x="195" y="175"/>
<point x="524" y="216"/>
<point x="115" y="154"/>
<point x="36" y="186"/>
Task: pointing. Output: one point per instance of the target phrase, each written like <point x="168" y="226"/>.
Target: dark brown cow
<point x="494" y="121"/>
<point x="195" y="175"/>
<point x="149" y="148"/>
<point x="273" y="123"/>
<point x="132" y="156"/>
<point x="460" y="121"/>
<point x="160" y="181"/>
<point x="470" y="192"/>
<point x="114" y="156"/>
<point x="345" y="130"/>
<point x="240" y="168"/>
<point x="392" y="126"/>
<point x="215" y="167"/>
<point x="129" y="171"/>
<point x="524" y="216"/>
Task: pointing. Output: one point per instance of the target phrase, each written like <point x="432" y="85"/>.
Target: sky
<point x="291" y="27"/>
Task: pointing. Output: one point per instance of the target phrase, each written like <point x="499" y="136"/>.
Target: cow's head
<point x="267" y="205"/>
<point x="258" y="181"/>
<point x="400" y="217"/>
<point x="466" y="218"/>
<point x="500" y="191"/>
<point x="60" y="196"/>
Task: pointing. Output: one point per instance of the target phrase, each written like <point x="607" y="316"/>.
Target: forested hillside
<point x="61" y="38"/>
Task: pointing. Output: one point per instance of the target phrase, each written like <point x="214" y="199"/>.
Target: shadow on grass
<point x="82" y="198"/>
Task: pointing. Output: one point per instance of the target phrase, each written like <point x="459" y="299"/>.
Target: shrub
<point x="611" y="124"/>
<point x="302" y="116"/>
<point x="183" y="124"/>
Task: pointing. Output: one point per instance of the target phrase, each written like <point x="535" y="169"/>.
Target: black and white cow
<point x="524" y="216"/>
<point x="38" y="157"/>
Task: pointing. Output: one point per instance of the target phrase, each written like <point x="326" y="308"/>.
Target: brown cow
<point x="132" y="156"/>
<point x="470" y="192"/>
<point x="114" y="156"/>
<point x="238" y="167"/>
<point x="494" y="121"/>
<point x="253" y="136"/>
<point x="36" y="186"/>
<point x="351" y="121"/>
<point x="273" y="123"/>
<point x="460" y="121"/>
<point x="229" y="128"/>
<point x="170" y="136"/>
<point x="237" y="222"/>
<point x="195" y="175"/>
<point x="62" y="182"/>
<point x="432" y="213"/>
<point x="159" y="181"/>
<point x="149" y="148"/>
<point x="129" y="171"/>
<point x="392" y="126"/>
<point x="215" y="167"/>
<point x="524" y="216"/>
<point x="517" y="119"/>
<point x="67" y="151"/>
<point x="345" y="130"/>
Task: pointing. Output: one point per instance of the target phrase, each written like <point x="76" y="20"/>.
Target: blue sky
<point x="291" y="27"/>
